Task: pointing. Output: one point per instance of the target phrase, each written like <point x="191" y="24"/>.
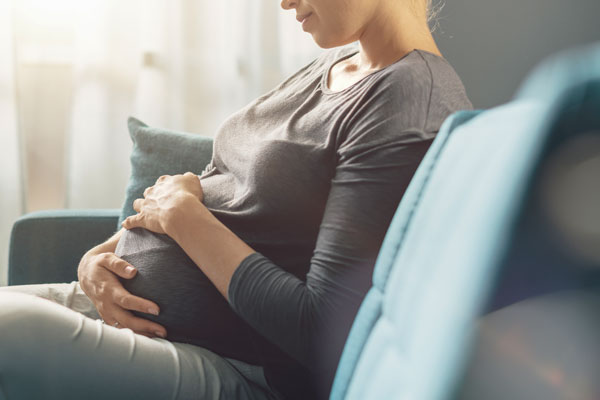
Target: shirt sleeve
<point x="310" y="319"/>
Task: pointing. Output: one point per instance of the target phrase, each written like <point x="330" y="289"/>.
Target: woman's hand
<point x="161" y="202"/>
<point x="173" y="206"/>
<point x="98" y="279"/>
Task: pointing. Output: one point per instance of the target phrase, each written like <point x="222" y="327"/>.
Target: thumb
<point x="132" y="221"/>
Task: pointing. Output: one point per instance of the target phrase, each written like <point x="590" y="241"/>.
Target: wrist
<point x="213" y="247"/>
<point x="187" y="211"/>
<point x="83" y="263"/>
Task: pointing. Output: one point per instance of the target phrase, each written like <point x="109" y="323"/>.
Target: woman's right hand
<point x="98" y="277"/>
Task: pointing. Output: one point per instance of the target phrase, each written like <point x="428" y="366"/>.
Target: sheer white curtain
<point x="82" y="67"/>
<point x="10" y="177"/>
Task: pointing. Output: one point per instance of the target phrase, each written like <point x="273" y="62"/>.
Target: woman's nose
<point x="288" y="4"/>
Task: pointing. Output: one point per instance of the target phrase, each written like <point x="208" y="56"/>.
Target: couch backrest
<point x="447" y="241"/>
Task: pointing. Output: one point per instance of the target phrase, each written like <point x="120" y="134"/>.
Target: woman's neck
<point x="391" y="34"/>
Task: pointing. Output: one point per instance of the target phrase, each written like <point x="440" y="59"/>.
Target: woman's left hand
<point x="169" y="195"/>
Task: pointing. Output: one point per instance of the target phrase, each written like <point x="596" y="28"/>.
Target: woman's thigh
<point x="50" y="351"/>
<point x="69" y="295"/>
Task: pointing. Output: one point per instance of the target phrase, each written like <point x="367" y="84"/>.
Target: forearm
<point x="211" y="245"/>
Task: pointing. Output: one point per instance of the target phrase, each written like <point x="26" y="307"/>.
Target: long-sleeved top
<point x="310" y="179"/>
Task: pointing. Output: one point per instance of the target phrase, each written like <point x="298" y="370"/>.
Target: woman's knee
<point x="18" y="315"/>
<point x="31" y="332"/>
<point x="28" y="325"/>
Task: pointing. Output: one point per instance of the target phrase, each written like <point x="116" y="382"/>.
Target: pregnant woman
<point x="243" y="282"/>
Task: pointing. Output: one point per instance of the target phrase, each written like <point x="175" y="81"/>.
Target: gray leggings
<point x="60" y="349"/>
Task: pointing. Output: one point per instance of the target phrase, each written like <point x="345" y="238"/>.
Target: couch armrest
<point x="46" y="246"/>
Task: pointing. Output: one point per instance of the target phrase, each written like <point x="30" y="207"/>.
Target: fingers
<point x="117" y="265"/>
<point x="117" y="304"/>
<point x="137" y="204"/>
<point x="111" y="299"/>
<point x="132" y="221"/>
<point x="139" y="325"/>
<point x="128" y="301"/>
<point x="120" y="318"/>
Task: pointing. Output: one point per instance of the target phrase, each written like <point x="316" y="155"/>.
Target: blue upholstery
<point x="452" y="232"/>
<point x="46" y="246"/>
<point x="371" y="309"/>
<point x="158" y="151"/>
<point x="446" y="249"/>
<point x="445" y="259"/>
<point x="564" y="70"/>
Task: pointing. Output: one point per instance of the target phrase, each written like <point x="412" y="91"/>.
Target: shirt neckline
<point x="325" y="77"/>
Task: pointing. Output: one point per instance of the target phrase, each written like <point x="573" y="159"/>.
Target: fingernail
<point x="153" y="311"/>
<point x="160" y="334"/>
<point x="129" y="269"/>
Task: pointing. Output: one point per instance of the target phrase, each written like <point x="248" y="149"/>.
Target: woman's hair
<point x="433" y="10"/>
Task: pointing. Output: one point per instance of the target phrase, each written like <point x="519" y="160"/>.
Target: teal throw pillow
<point x="157" y="152"/>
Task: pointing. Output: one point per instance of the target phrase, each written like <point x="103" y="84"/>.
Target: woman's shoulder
<point x="444" y="77"/>
<point x="416" y="93"/>
<point x="448" y="93"/>
<point x="431" y="75"/>
<point x="421" y="87"/>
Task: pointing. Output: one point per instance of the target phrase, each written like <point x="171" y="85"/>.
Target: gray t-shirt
<point x="310" y="179"/>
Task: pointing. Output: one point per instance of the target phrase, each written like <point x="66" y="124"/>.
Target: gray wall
<point x="493" y="44"/>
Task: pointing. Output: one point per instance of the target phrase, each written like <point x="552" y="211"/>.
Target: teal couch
<point x="483" y="225"/>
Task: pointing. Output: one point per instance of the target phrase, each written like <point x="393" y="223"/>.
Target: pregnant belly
<point x="191" y="308"/>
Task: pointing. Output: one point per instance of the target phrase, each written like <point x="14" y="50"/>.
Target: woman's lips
<point x="301" y="18"/>
<point x="304" y="20"/>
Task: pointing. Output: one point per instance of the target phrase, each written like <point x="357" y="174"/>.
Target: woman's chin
<point x="327" y="42"/>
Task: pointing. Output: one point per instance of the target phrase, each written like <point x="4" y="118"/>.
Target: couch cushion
<point x="46" y="246"/>
<point x="429" y="290"/>
<point x="157" y="152"/>
<point x="541" y="341"/>
<point x="370" y="310"/>
<point x="446" y="259"/>
<point x="448" y="240"/>
<point x="568" y="68"/>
